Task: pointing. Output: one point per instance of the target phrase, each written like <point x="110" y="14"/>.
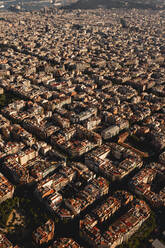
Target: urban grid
<point x="82" y="139"/>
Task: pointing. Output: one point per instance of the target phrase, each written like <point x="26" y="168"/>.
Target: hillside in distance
<point x="139" y="4"/>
